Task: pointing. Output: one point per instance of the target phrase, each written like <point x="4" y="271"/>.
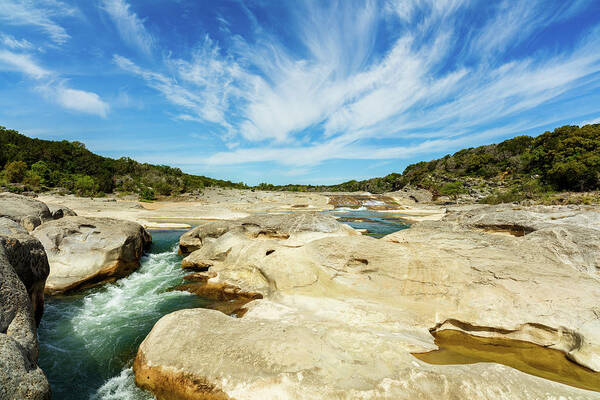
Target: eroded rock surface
<point x="341" y="314"/>
<point x="28" y="212"/>
<point x="23" y="271"/>
<point x="59" y="211"/>
<point x="294" y="229"/>
<point x="84" y="251"/>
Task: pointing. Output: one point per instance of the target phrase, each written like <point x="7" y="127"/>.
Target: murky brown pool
<point x="457" y="347"/>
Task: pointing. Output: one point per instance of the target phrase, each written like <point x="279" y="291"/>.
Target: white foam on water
<point x="96" y="332"/>
<point x="349" y="209"/>
<point x="373" y="203"/>
<point x="121" y="387"/>
<point x="127" y="303"/>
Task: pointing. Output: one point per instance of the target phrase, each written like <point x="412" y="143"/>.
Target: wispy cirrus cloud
<point x="301" y="82"/>
<point x="590" y="122"/>
<point x="131" y="27"/>
<point x="14" y="43"/>
<point x="19" y="62"/>
<point x="340" y="85"/>
<point x="41" y="14"/>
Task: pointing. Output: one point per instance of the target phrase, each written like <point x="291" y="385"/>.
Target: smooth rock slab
<point x="341" y="315"/>
<point x="294" y="229"/>
<point x="85" y="251"/>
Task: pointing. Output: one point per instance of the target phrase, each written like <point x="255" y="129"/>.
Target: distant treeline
<point x="37" y="164"/>
<point x="567" y="159"/>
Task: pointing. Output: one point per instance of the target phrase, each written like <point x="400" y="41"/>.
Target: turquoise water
<point x="377" y="223"/>
<point x="88" y="340"/>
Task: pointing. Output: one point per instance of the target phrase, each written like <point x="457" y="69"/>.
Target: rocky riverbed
<point x="341" y="315"/>
<point x="309" y="308"/>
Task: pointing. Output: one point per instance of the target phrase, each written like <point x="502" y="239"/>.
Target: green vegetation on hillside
<point x="35" y="164"/>
<point x="567" y="159"/>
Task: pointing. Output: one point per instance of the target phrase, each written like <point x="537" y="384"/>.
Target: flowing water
<point x="88" y="340"/>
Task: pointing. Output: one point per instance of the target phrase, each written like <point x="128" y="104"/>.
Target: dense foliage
<point x="567" y="159"/>
<point x="37" y="164"/>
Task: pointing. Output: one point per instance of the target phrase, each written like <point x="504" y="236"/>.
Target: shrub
<point x="453" y="189"/>
<point x="42" y="170"/>
<point x="32" y="179"/>
<point x="15" y="171"/>
<point x="84" y="185"/>
<point x="147" y="194"/>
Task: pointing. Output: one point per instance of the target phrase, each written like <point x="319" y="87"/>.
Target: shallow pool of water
<point x="88" y="340"/>
<point x="457" y="347"/>
<point x="377" y="223"/>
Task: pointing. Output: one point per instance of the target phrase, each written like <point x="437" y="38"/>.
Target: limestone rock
<point x="293" y="228"/>
<point x="411" y="195"/>
<point x="59" y="211"/>
<point x="29" y="212"/>
<point x="23" y="271"/>
<point x="567" y="235"/>
<point x="84" y="251"/>
<point x="341" y="314"/>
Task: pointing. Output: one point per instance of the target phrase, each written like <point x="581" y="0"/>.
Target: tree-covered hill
<point x="567" y="159"/>
<point x="37" y="164"/>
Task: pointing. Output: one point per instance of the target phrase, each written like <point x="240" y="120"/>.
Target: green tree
<point x="15" y="171"/>
<point x="42" y="170"/>
<point x="147" y="194"/>
<point x="453" y="189"/>
<point x="84" y="185"/>
<point x="32" y="179"/>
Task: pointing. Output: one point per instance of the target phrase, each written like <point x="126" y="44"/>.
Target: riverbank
<point x="223" y="204"/>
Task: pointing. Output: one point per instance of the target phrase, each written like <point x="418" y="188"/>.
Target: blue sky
<point x="296" y="91"/>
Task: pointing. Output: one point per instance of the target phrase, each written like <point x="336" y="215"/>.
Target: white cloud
<point x="590" y="122"/>
<point x="21" y="63"/>
<point x="15" y="44"/>
<point x="82" y="101"/>
<point x="130" y="26"/>
<point x="73" y="99"/>
<point x="40" y="13"/>
<point x="49" y="84"/>
<point x="331" y="92"/>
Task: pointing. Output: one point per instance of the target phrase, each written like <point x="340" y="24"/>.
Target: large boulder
<point x="28" y="212"/>
<point x="293" y="228"/>
<point x="85" y="251"/>
<point x="23" y="271"/>
<point x="339" y="316"/>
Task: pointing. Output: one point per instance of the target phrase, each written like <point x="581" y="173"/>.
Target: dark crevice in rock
<point x="514" y="229"/>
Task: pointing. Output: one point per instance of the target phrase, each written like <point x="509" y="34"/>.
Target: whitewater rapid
<point x="88" y="340"/>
